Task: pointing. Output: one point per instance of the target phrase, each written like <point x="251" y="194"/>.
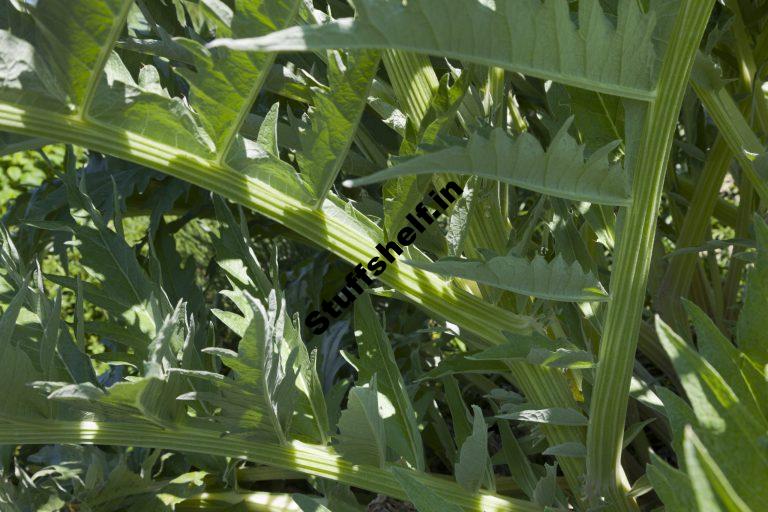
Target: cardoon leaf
<point x="753" y="323"/>
<point x="552" y="416"/>
<point x="553" y="280"/>
<point x="521" y="347"/>
<point x="224" y="84"/>
<point x="337" y="111"/>
<point x="16" y="368"/>
<point x="362" y="438"/>
<point x="561" y="170"/>
<point x="567" y="450"/>
<point x="307" y="504"/>
<point x="74" y="40"/>
<point x="472" y="467"/>
<point x="707" y="480"/>
<point x="717" y="409"/>
<point x="375" y="357"/>
<point x="422" y="497"/>
<point x="462" y="364"/>
<point x="716" y="349"/>
<point x="528" y="36"/>
<point x="673" y="486"/>
<point x="13" y="143"/>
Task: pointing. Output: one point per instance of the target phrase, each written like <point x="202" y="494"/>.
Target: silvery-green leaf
<point x="530" y="37"/>
<point x="561" y="170"/>
<point x="553" y="280"/>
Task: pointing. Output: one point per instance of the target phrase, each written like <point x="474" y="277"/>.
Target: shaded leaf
<point x="553" y="280"/>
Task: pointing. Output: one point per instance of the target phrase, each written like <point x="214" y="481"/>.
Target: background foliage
<point x="183" y="181"/>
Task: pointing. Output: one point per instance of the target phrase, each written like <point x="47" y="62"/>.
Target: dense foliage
<point x="186" y="182"/>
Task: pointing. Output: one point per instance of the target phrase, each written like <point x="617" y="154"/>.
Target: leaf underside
<point x="528" y="36"/>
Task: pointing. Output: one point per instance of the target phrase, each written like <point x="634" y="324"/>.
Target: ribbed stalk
<point x="737" y="265"/>
<point x="678" y="276"/>
<point x="413" y="80"/>
<point x="725" y="212"/>
<point x="307" y="459"/>
<point x="633" y="256"/>
<point x="250" y="502"/>
<point x="331" y="228"/>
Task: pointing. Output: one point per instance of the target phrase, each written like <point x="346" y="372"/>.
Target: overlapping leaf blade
<point x="224" y="84"/>
<point x="62" y="53"/>
<point x="716" y="410"/>
<point x="753" y="325"/>
<point x="375" y="357"/>
<point x="362" y="438"/>
<point x="527" y="36"/>
<point x="335" y="117"/>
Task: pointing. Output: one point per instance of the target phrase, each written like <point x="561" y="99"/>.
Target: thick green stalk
<point x="350" y="238"/>
<point x="678" y="276"/>
<point x="413" y="80"/>
<point x="304" y="458"/>
<point x="250" y="502"/>
<point x="736" y="266"/>
<point x="633" y="256"/>
<point x="725" y="212"/>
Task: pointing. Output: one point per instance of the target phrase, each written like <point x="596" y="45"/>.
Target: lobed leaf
<point x="375" y="357"/>
<point x="362" y="438"/>
<point x="527" y="36"/>
<point x="337" y="111"/>
<point x="553" y="280"/>
<point x="561" y="170"/>
<point x="473" y="464"/>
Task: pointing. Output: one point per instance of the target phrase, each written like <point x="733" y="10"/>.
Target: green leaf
<point x="730" y="121"/>
<point x="146" y="108"/>
<point x="307" y="504"/>
<point x="460" y="416"/>
<point x="74" y="40"/>
<point x="707" y="479"/>
<point x="517" y="462"/>
<point x="471" y="470"/>
<point x="16" y="368"/>
<point x="337" y="111"/>
<point x="718" y="351"/>
<point x="717" y="409"/>
<point x="11" y="143"/>
<point x="422" y="497"/>
<point x="375" y="357"/>
<point x="567" y="450"/>
<point x="529" y="37"/>
<point x="547" y="493"/>
<point x="124" y="288"/>
<point x="673" y="486"/>
<point x="234" y="253"/>
<point x="362" y="438"/>
<point x="634" y="430"/>
<point x="550" y="416"/>
<point x="464" y="364"/>
<point x="753" y="323"/>
<point x="553" y="280"/>
<point x="224" y="84"/>
<point x="520" y="346"/>
<point x="275" y="390"/>
<point x="561" y="170"/>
